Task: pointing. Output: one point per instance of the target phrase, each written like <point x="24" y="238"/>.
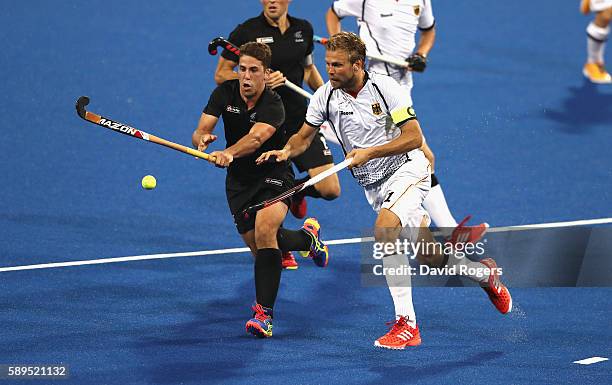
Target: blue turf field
<point x="520" y="138"/>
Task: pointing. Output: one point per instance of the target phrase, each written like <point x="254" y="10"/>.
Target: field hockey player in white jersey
<point x="389" y="165"/>
<point x="389" y="28"/>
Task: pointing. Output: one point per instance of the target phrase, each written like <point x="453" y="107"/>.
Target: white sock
<point x="596" y="42"/>
<point x="400" y="287"/>
<point x="436" y="207"/>
<point x="477" y="273"/>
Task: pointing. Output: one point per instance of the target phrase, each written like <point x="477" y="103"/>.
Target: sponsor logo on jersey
<point x="376" y="110"/>
<point x="417" y="9"/>
<point x="298" y="37"/>
<point x="265" y="39"/>
<point x="274" y="181"/>
<point x="346" y="112"/>
<point x="232" y="109"/>
<point x="386" y="14"/>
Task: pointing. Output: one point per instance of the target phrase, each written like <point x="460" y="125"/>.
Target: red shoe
<point x="497" y="292"/>
<point x="299" y="207"/>
<point x="468" y="234"/>
<point x="400" y="335"/>
<point x="288" y="261"/>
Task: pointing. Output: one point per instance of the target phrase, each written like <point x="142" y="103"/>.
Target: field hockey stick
<point x="374" y="56"/>
<point x="225" y="44"/>
<point x="312" y="181"/>
<point x="133" y="132"/>
<point x="319" y="39"/>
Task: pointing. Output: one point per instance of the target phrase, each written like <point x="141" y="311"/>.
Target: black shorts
<point x="244" y="193"/>
<point x="318" y="154"/>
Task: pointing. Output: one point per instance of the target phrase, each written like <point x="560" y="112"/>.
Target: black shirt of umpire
<point x="238" y="120"/>
<point x="289" y="52"/>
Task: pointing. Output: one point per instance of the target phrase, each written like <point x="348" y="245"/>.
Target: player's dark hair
<point x="349" y="42"/>
<point x="259" y="51"/>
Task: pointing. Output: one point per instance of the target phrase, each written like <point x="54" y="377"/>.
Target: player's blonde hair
<point x="350" y="43"/>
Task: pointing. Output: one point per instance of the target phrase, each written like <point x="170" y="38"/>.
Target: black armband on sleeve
<point x="434" y="180"/>
<point x="312" y="125"/>
<point x="428" y="28"/>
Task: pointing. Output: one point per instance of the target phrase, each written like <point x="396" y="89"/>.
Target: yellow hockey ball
<point x="149" y="182"/>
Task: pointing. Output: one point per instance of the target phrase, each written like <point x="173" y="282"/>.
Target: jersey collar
<point x="263" y="19"/>
<point x="366" y="77"/>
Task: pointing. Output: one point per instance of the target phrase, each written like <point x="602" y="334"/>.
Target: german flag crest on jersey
<point x="417" y="10"/>
<point x="376" y="110"/>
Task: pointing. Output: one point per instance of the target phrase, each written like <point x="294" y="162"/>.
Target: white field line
<point x="592" y="360"/>
<point x="246" y="249"/>
<point x="586" y="222"/>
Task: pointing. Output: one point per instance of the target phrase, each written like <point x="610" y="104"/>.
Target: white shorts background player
<point x="598" y="5"/>
<point x="597" y="35"/>
<point x="388" y="163"/>
<point x="389" y="27"/>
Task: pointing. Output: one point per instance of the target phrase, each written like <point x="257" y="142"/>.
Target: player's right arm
<point x="340" y="9"/>
<point x="426" y="41"/>
<point x="299" y="142"/>
<point x="296" y="145"/>
<point x="427" y="36"/>
<point x="202" y="136"/>
<point x="333" y="22"/>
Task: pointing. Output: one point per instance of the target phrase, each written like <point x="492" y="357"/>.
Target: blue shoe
<point x="261" y="323"/>
<point x="318" y="250"/>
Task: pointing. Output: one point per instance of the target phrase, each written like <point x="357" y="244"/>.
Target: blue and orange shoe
<point x="318" y="250"/>
<point x="261" y="323"/>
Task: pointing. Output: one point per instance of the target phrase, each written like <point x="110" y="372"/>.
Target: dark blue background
<point x="520" y="137"/>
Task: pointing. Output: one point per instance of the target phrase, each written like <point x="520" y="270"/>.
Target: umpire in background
<point x="290" y="40"/>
